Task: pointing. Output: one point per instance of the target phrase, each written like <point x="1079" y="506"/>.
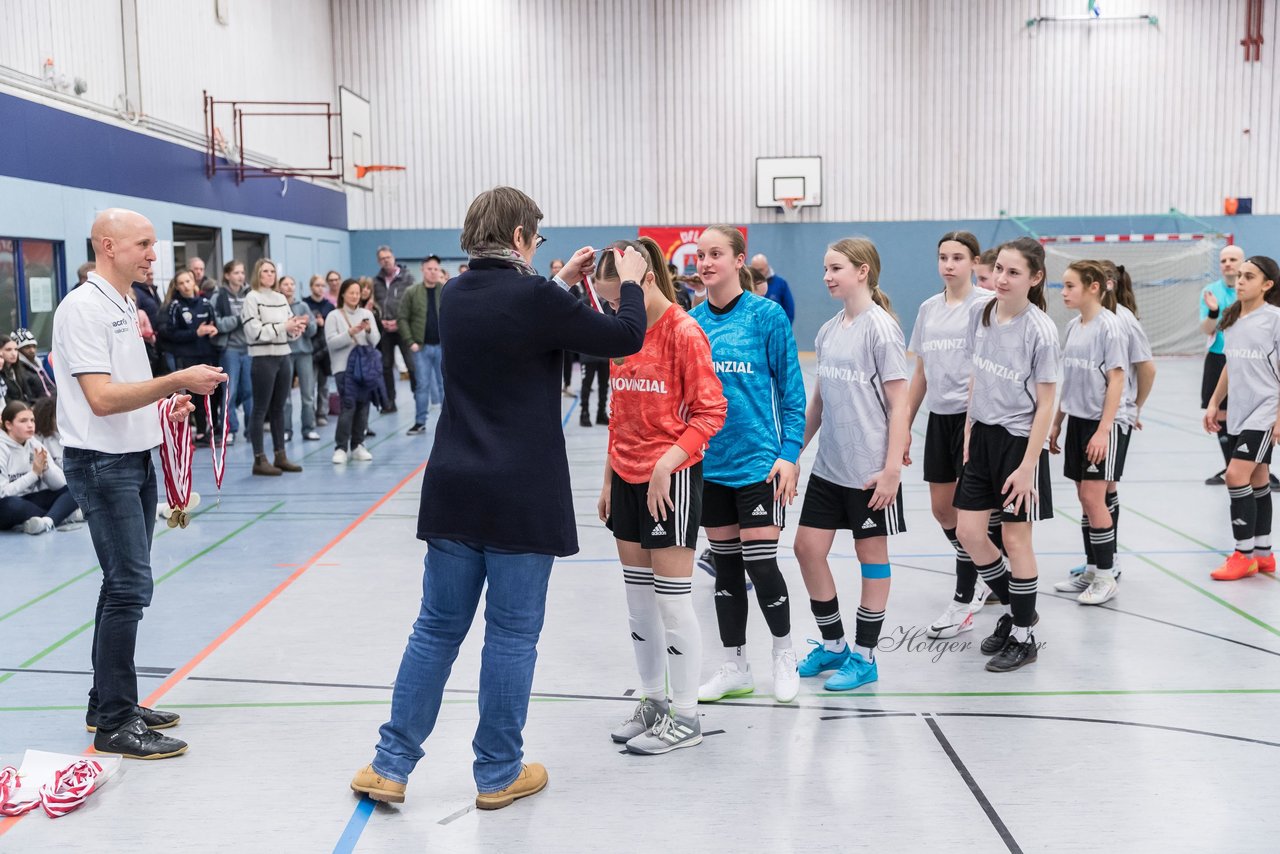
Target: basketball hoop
<point x="791" y="208"/>
<point x="362" y="171"/>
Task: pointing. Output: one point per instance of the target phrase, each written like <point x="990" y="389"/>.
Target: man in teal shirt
<point x="1214" y="300"/>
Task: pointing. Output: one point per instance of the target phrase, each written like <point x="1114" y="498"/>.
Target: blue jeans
<point x="430" y="387"/>
<point x="515" y="605"/>
<point x="57" y="504"/>
<point x="117" y="493"/>
<point x="303" y="368"/>
<point x="239" y="388"/>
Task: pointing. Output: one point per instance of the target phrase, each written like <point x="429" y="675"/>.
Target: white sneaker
<point x="37" y="525"/>
<point x="340" y="457"/>
<point x="359" y="454"/>
<point x="1076" y="583"/>
<point x="786" y="678"/>
<point x="980" y="593"/>
<point x="77" y="516"/>
<point x="728" y="681"/>
<point x="956" y="619"/>
<point x="1103" y="588"/>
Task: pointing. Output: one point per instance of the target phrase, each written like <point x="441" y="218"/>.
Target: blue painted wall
<point x="907" y="250"/>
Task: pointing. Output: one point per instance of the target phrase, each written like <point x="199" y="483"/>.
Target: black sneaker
<point x="416" y="429"/>
<point x="1216" y="480"/>
<point x="998" y="638"/>
<point x="1015" y="654"/>
<point x="584" y="422"/>
<point x="389" y="408"/>
<point x="369" y="434"/>
<point x="135" y="741"/>
<point x="153" y="718"/>
<point x="602" y="420"/>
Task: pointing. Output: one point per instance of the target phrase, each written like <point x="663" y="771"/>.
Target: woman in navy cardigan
<point x="496" y="502"/>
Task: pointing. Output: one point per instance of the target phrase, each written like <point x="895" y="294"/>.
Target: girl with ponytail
<point x="751" y="466"/>
<point x="941" y="382"/>
<point x="1015" y="372"/>
<point x="667" y="404"/>
<point x="856" y="479"/>
<point x="1251" y="333"/>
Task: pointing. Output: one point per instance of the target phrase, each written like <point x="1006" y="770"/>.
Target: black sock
<point x="1244" y="517"/>
<point x="867" y="629"/>
<point x="761" y="560"/>
<point x="827" y="616"/>
<point x="1090" y="555"/>
<point x="966" y="572"/>
<point x="1224" y="445"/>
<point x="997" y="577"/>
<point x="1022" y="600"/>
<point x="1262" y="526"/>
<point x="1113" y="505"/>
<point x="1104" y="547"/>
<point x="731" y="591"/>
<point x="995" y="531"/>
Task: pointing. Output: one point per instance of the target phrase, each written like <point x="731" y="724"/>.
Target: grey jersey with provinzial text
<point x="1137" y="350"/>
<point x="1091" y="350"/>
<point x="940" y="337"/>
<point x="1009" y="360"/>
<point x="1252" y="348"/>
<point x="854" y="363"/>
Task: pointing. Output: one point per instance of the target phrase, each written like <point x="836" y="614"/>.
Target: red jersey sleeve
<point x="704" y="402"/>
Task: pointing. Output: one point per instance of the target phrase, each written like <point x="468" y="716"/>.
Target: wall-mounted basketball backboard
<point x="779" y="178"/>
<point x="357" y="139"/>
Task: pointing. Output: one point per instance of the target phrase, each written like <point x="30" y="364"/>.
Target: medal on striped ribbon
<point x="176" y="453"/>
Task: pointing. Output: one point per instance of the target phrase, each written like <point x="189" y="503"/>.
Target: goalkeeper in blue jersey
<point x="750" y="470"/>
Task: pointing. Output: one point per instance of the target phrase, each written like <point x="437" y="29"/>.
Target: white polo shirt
<point x="95" y="331"/>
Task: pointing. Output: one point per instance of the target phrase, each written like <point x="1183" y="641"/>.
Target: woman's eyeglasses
<point x="538" y="240"/>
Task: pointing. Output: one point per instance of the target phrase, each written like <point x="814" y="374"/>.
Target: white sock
<point x="837" y="645"/>
<point x="868" y="654"/>
<point x="647" y="635"/>
<point x="684" y="642"/>
<point x="1021" y="633"/>
<point x="784" y="642"/>
<point x="736" y="655"/>
<point x="1104" y="573"/>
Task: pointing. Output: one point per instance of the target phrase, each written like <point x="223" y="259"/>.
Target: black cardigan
<point x="498" y="474"/>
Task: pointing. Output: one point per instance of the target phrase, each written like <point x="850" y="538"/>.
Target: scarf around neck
<point x="506" y="255"/>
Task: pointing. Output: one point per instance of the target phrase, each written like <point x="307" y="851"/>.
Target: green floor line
<point x="1075" y="520"/>
<point x="76" y="632"/>
<point x="1188" y="537"/>
<point x="281" y="705"/>
<point x="88" y="572"/>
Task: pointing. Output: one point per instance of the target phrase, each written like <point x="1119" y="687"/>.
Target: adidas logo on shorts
<point x="1092" y="468"/>
<point x="1009" y="509"/>
<point x="1237" y="521"/>
<point x="760" y="511"/>
<point x="868" y="524"/>
<point x="658" y="530"/>
<point x="1244" y="449"/>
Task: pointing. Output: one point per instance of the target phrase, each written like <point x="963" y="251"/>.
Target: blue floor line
<point x="351" y="835"/>
<point x="569" y="414"/>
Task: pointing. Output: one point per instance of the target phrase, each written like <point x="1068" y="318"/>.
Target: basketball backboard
<point x="357" y="139"/>
<point x="779" y="178"/>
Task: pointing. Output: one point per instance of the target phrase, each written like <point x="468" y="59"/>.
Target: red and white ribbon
<point x="219" y="448"/>
<point x="593" y="299"/>
<point x="175" y="455"/>
<point x="70" y="788"/>
<point x="65" y="793"/>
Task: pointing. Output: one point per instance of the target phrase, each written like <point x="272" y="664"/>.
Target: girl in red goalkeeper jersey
<point x="667" y="404"/>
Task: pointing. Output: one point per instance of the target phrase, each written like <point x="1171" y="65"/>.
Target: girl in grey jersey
<point x="1251" y="329"/>
<point x="1093" y="382"/>
<point x="860" y="415"/>
<point x="1015" y="375"/>
<point x="940" y="342"/>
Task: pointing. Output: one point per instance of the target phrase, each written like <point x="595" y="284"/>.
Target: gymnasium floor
<point x="280" y="616"/>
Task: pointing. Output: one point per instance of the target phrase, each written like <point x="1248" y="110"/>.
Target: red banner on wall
<point x="680" y="244"/>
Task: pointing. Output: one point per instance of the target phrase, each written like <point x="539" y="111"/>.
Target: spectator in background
<point x="759" y="284"/>
<point x="569" y="357"/>
<point x="320" y="304"/>
<point x="301" y="364"/>
<point x="82" y="274"/>
<point x="779" y="291"/>
<point x="39" y="383"/>
<point x="351" y="325"/>
<point x="33" y="490"/>
<point x="147" y="298"/>
<point x="187" y="329"/>
<point x="204" y="286"/>
<point x="390" y="285"/>
<point x="420" y="326"/>
<point x="269" y="326"/>
<point x="1216" y="298"/>
<point x="46" y="412"/>
<point x="462" y="268"/>
<point x="16" y="381"/>
<point x="233" y="350"/>
<point x="594" y="368"/>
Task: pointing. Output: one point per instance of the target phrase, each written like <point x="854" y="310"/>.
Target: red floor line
<point x="181" y="673"/>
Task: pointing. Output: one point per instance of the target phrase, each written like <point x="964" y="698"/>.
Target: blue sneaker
<point x="820" y="659"/>
<point x="854" y="673"/>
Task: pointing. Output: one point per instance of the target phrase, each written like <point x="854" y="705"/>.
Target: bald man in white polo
<point x="109" y="425"/>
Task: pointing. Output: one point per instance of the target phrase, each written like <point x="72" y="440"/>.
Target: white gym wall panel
<point x="653" y="111"/>
<point x="82" y="37"/>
